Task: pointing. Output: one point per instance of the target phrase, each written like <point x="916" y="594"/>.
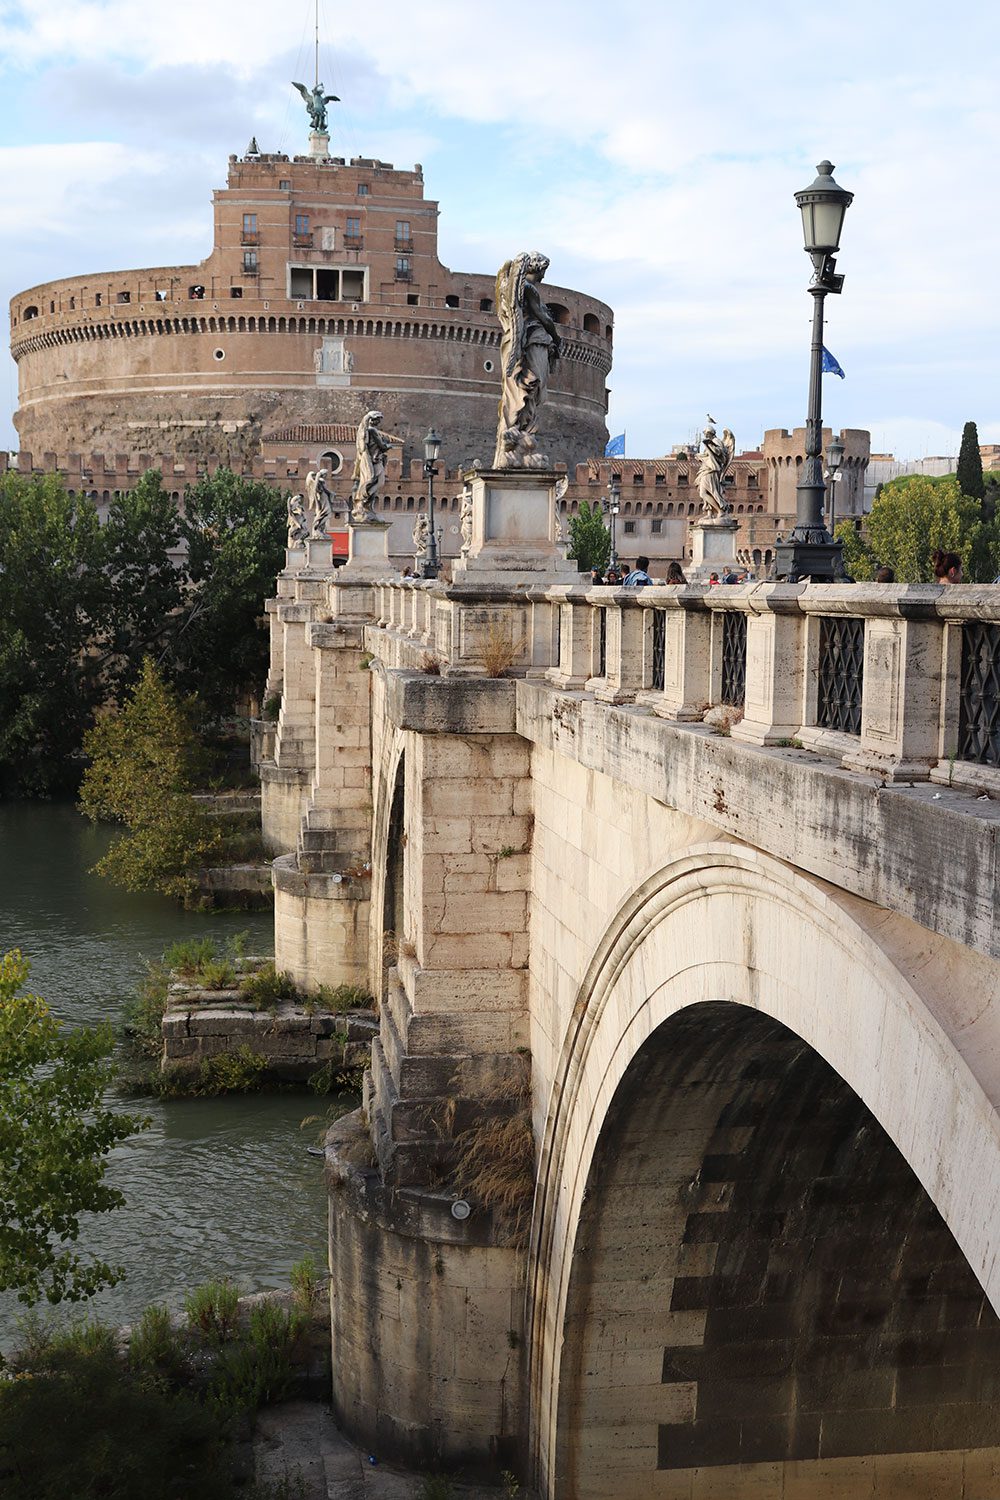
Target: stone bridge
<point x="703" y="1025"/>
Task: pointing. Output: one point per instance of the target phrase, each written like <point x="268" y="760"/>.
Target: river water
<point x="215" y="1186"/>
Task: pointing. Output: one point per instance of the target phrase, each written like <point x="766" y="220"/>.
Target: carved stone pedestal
<point x="295" y="558"/>
<point x="367" y="550"/>
<point x="516" y="529"/>
<point x="319" y="144"/>
<point x="319" y="552"/>
<point x="713" y="543"/>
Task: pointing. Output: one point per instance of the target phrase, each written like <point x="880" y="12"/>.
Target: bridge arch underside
<point x="763" y="1299"/>
<point x="764" y="1258"/>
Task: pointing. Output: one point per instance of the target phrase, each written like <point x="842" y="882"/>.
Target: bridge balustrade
<point x="897" y="681"/>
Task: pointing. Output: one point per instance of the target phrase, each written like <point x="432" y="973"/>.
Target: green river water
<point x="215" y="1186"/>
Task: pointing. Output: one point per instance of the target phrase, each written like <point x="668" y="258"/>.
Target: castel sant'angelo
<point x="322" y="297"/>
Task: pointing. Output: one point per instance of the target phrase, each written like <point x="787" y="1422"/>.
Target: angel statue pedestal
<point x="319" y="144"/>
<point x="713" y="547"/>
<point x="319" y="553"/>
<point x="367" y="550"/>
<point x="512" y="525"/>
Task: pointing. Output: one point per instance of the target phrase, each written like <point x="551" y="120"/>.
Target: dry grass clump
<point x="495" y="1164"/>
<point x="499" y="651"/>
<point x="430" y="664"/>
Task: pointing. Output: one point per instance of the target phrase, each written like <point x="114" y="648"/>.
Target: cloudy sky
<point x="651" y="148"/>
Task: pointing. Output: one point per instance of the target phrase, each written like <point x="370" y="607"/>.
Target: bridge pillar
<point x="285" y="780"/>
<point x="429" y="1307"/>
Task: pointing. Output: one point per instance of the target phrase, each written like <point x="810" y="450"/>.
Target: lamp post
<point x="834" y="464"/>
<point x="430" y="564"/>
<point x="811" y="551"/>
<point x="613" y="505"/>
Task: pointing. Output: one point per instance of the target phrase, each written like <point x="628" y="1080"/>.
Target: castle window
<point x="31" y="312"/>
<point x="591" y="324"/>
<point x="638" y="478"/>
<point x="404" y="240"/>
<point x="124" y="297"/>
<point x="219" y="354"/>
<point x="72" y="303"/>
<point x="250" y="227"/>
<point x="404" y="268"/>
<point x="234" y="291"/>
<point x="98" y="299"/>
<point x="249" y="263"/>
<point x="363" y="190"/>
<point x="413" y="299"/>
<point x="559" y="313"/>
<point x="751" y="481"/>
<point x="352" y="234"/>
<point x="451" y="300"/>
<point x="52" y="307"/>
<point x="682" y="479"/>
<point x="284" y="185"/>
<point x="656" y="527"/>
<point x="661" y="479"/>
<point x="629" y="528"/>
<point x="486" y="304"/>
<point x="301" y="223"/>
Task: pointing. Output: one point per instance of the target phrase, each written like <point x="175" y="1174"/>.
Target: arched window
<point x="451" y="300"/>
<point x="30" y="312"/>
<point x="559" y="313"/>
<point x="591" y="324"/>
<point x="331" y="462"/>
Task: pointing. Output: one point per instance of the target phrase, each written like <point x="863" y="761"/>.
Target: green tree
<point x="143" y="579"/>
<point x="55" y="1136"/>
<point x="235" y="534"/>
<point x="50" y="610"/>
<point x="590" y="539"/>
<point x="970" y="464"/>
<point x="144" y="762"/>
<point x="912" y="517"/>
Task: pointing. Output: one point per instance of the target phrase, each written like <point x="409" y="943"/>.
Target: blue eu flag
<point x="616" y="447"/>
<point x="830" y="365"/>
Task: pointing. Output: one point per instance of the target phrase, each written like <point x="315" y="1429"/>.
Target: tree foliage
<point x="912" y="517"/>
<point x="234" y="530"/>
<point x="81" y="605"/>
<point x="143" y="582"/>
<point x="55" y="1136"/>
<point x="143" y="765"/>
<point x="970" y="463"/>
<point x="590" y="539"/>
<point x="51" y="552"/>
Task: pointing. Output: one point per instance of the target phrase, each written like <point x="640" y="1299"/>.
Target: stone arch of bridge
<point x="388" y="844"/>
<point x="725" y="931"/>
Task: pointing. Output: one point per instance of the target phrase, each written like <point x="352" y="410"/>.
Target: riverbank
<point x="215" y="1185"/>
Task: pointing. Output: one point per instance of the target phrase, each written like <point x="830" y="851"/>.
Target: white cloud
<point x="652" y="151"/>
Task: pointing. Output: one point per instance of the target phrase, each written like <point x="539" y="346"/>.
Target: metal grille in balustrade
<point x="659" y="647"/>
<point x="602" y="643"/>
<point x="841" y="673"/>
<point x="979" y="705"/>
<point x="734" y="658"/>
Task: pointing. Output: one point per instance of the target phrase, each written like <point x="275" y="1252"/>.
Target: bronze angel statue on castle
<point x="316" y="101"/>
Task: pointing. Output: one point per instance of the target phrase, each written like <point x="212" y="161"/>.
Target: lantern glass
<point x="432" y="446"/>
<point x="834" y="455"/>
<point x="823" y="204"/>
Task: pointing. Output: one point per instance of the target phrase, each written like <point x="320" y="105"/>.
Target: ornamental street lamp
<point x="430" y="564"/>
<point x="811" y="551"/>
<point x="833" y="476"/>
<point x="613" y="505"/>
